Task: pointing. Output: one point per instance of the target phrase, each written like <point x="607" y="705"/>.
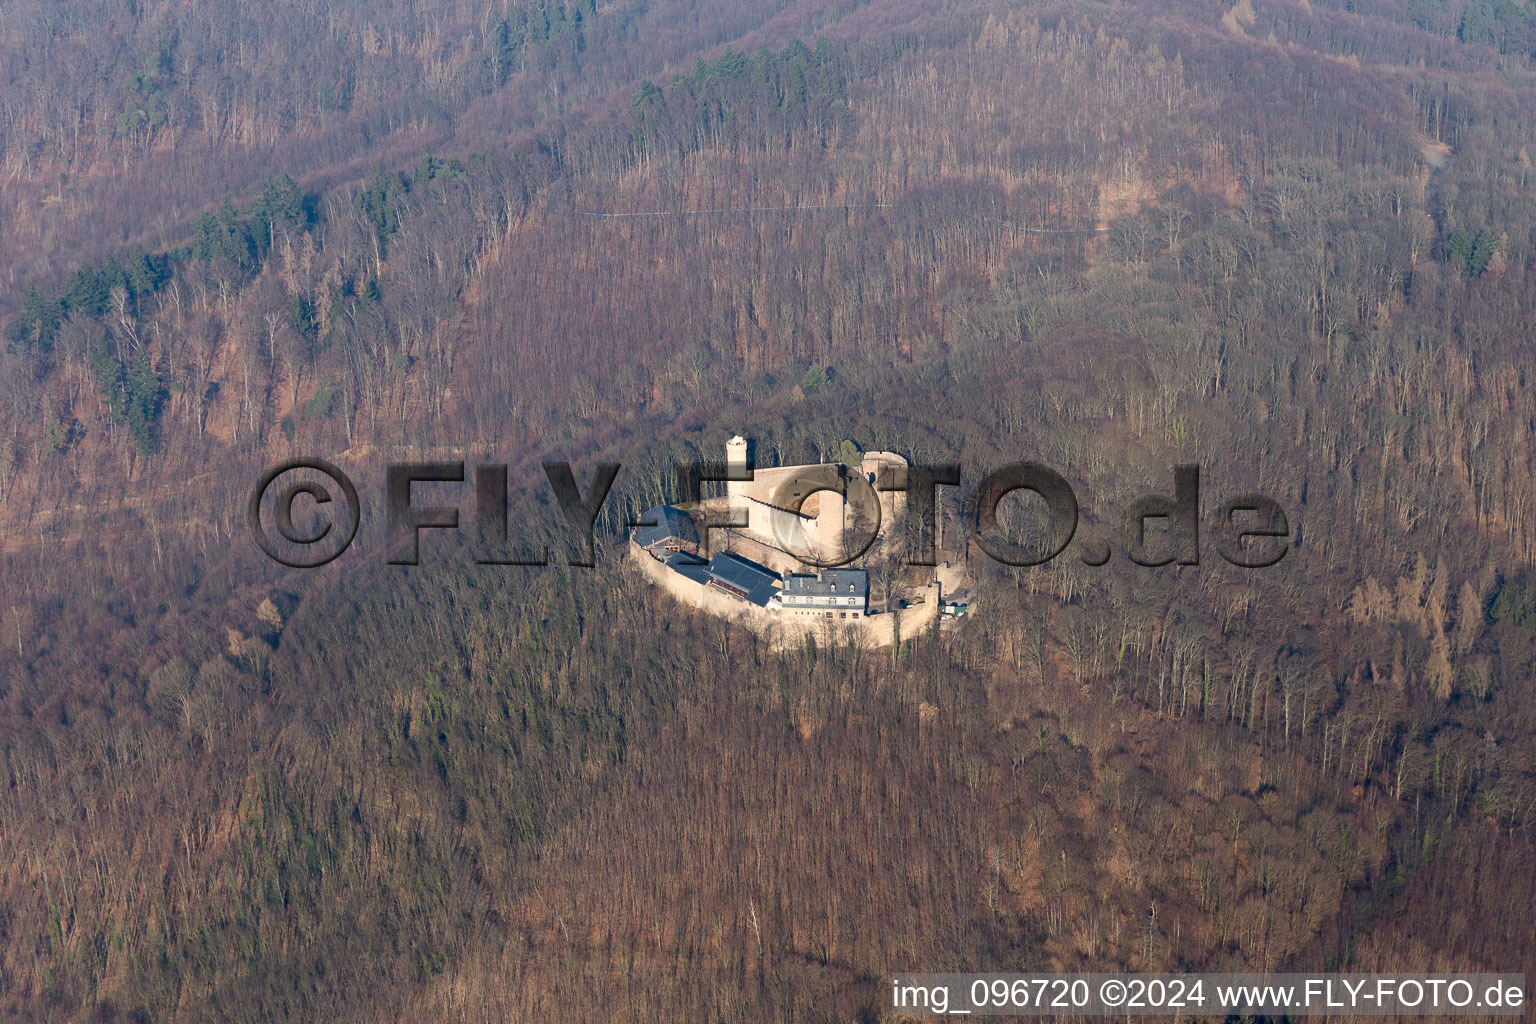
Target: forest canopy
<point x="1291" y="242"/>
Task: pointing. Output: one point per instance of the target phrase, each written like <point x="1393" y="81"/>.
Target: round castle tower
<point x="736" y="462"/>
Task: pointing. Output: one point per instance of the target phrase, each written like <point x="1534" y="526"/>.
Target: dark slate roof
<point x="691" y="566"/>
<point x="666" y="521"/>
<point x="843" y="582"/>
<point x="755" y="583"/>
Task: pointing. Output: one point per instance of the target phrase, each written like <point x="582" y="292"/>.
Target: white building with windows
<point x="829" y="594"/>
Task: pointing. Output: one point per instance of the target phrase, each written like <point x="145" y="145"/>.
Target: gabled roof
<point x="752" y="582"/>
<point x="691" y="566"/>
<point x="663" y="523"/>
<point x="842" y="582"/>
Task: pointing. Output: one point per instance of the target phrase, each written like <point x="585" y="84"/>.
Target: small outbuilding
<point x="667" y="530"/>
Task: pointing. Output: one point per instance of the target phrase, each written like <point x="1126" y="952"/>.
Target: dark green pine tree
<point x="1478" y="24"/>
<point x="234" y="238"/>
<point x="143" y="273"/>
<point x="1458" y="247"/>
<point x="134" y="393"/>
<point x="301" y="317"/>
<point x="379" y="200"/>
<point x="223" y="236"/>
<point x="38" y="321"/>
<point x="1482" y="252"/>
<point x="88" y="293"/>
<point x="502" y="45"/>
<point x="281" y="202"/>
<point x="143" y="393"/>
<point x="732" y="64"/>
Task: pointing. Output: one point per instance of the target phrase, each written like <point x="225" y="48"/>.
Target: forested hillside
<point x="1292" y="242"/>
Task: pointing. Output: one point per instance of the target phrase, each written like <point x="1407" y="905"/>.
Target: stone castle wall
<point x="875" y="630"/>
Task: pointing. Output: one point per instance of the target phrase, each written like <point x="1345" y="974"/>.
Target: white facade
<point x="830" y="594"/>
